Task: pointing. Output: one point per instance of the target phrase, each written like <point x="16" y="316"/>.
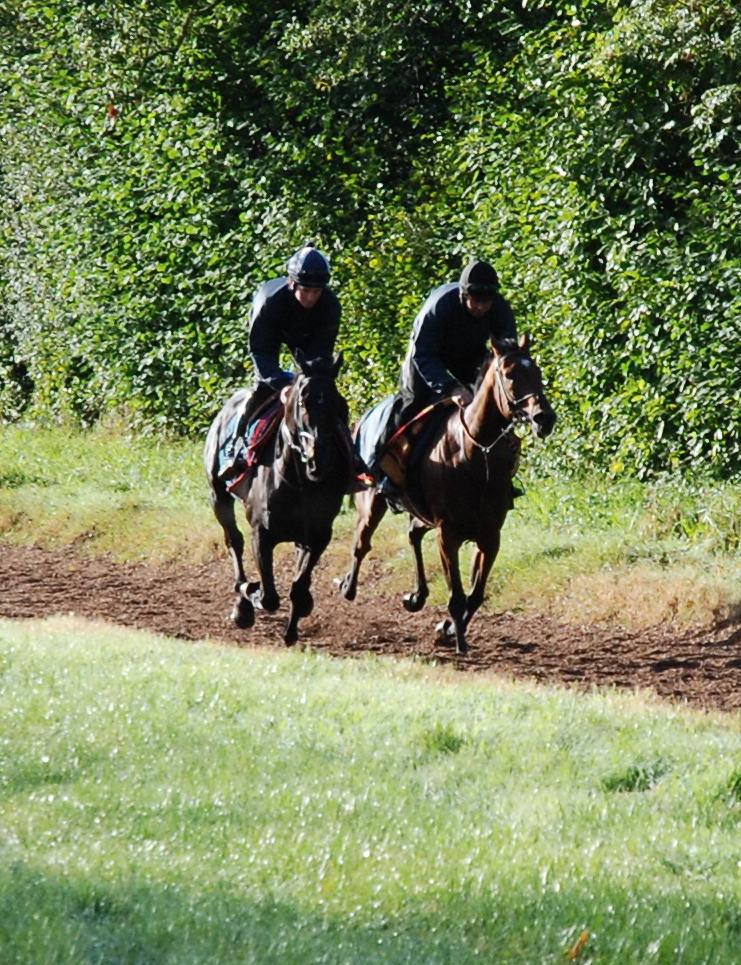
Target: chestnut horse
<point x="295" y="495"/>
<point x="462" y="485"/>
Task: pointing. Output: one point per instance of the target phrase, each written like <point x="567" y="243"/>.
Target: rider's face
<point x="307" y="297"/>
<point x="478" y="305"/>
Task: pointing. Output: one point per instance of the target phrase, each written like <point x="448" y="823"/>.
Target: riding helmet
<point x="309" y="267"/>
<point x="479" y="278"/>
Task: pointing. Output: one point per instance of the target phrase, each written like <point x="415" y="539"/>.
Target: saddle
<point x="260" y="430"/>
<point x="404" y="450"/>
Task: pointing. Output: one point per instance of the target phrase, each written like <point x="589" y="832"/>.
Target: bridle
<point x="306" y="445"/>
<point x="517" y="415"/>
<point x="515" y="405"/>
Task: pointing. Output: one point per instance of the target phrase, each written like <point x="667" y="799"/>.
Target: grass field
<point x="588" y="549"/>
<point x="173" y="803"/>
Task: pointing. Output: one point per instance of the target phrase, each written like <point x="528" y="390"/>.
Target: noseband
<point x="517" y="415"/>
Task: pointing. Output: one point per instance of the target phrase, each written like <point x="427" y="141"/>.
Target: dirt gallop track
<point x="700" y="667"/>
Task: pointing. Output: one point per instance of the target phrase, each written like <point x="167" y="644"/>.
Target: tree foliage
<point x="158" y="160"/>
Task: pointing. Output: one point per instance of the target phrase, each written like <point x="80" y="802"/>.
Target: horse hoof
<point x="270" y="603"/>
<point x="243" y="615"/>
<point x="347" y="589"/>
<point x="413" y="602"/>
<point x="445" y="634"/>
<point x="290" y="636"/>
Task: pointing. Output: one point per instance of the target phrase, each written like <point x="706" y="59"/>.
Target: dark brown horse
<point x="462" y="486"/>
<point x="295" y="495"/>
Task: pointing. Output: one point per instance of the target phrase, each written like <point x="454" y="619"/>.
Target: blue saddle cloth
<point x="370" y="429"/>
<point x="229" y="445"/>
<point x="259" y="430"/>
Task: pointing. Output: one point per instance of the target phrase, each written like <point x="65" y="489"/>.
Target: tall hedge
<point x="159" y="160"/>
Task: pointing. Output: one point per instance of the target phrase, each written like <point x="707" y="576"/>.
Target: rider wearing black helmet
<point x="298" y="311"/>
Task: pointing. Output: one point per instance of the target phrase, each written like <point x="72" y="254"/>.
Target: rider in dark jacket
<point x="448" y="345"/>
<point x="299" y="311"/>
<point x="450" y="337"/>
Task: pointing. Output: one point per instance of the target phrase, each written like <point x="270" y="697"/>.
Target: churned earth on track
<point x="698" y="666"/>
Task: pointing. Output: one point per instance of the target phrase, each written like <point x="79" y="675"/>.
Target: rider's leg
<point x="404" y="408"/>
<point x="236" y="461"/>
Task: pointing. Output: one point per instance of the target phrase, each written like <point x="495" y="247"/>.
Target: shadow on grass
<point x="69" y="917"/>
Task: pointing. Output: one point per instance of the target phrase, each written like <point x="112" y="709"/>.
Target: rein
<point x="515" y="405"/>
<point x="485" y="449"/>
<point x="304" y="448"/>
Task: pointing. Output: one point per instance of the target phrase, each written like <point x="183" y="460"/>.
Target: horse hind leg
<point x="371" y="508"/>
<point x="243" y="612"/>
<point x="414" y="601"/>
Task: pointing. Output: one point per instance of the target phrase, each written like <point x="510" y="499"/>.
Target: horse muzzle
<point x="543" y="420"/>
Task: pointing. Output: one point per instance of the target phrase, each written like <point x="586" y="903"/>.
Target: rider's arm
<point x="325" y="329"/>
<point x="265" y="342"/>
<point x="426" y="352"/>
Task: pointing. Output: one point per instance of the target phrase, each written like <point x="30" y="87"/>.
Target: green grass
<point x="106" y="492"/>
<point x="590" y="549"/>
<point x="163" y="802"/>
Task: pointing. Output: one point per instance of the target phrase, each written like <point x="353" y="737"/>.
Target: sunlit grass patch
<point x="187" y="802"/>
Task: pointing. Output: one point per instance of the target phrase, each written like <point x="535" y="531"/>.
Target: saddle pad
<point x="370" y="428"/>
<point x="407" y="444"/>
<point x="262" y="429"/>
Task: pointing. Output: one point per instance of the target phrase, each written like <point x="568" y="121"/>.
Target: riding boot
<point x="391" y="493"/>
<point x="515" y="493"/>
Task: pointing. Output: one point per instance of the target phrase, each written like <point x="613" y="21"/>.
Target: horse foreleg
<point x="302" y="602"/>
<point x="482" y="563"/>
<point x="371" y="508"/>
<point x="243" y="613"/>
<point x="414" y="601"/>
<point x="264" y="594"/>
<point x="449" y="546"/>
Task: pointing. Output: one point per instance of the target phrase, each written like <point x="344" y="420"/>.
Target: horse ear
<point x="524" y="342"/>
<point x="338" y="363"/>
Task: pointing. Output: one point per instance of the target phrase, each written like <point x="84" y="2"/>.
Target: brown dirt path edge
<point x="700" y="667"/>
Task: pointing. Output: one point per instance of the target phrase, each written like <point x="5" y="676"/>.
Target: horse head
<point x="313" y="407"/>
<point x="519" y="387"/>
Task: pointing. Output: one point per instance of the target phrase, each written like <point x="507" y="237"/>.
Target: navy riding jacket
<point x="278" y="319"/>
<point x="448" y="346"/>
